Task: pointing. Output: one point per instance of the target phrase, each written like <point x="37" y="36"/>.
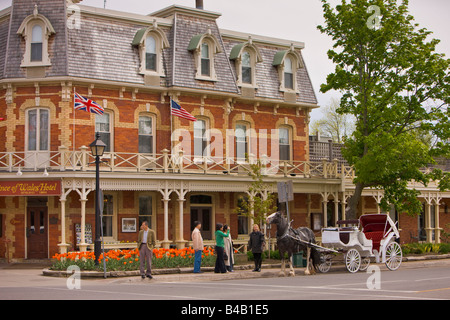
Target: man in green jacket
<point x="146" y="243"/>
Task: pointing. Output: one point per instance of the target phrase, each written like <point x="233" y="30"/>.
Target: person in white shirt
<point x="197" y="244"/>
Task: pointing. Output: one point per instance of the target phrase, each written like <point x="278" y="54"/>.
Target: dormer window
<point x="246" y="68"/>
<point x="246" y="55"/>
<point x="288" y="74"/>
<point x="36" y="43"/>
<point x="36" y="30"/>
<point x="204" y="47"/>
<point x="206" y="62"/>
<point x="288" y="62"/>
<point x="150" y="53"/>
<point x="151" y="42"/>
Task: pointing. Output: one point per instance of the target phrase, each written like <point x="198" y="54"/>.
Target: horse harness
<point x="297" y="238"/>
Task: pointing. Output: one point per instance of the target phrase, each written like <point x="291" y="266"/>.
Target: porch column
<point x="252" y="212"/>
<point x="181" y="243"/>
<point x="63" y="245"/>
<point x="83" y="245"/>
<point x="437" y="230"/>
<point x="336" y="209"/>
<point x="325" y="212"/>
<point x="428" y="229"/>
<point x="343" y="203"/>
<point x="166" y="242"/>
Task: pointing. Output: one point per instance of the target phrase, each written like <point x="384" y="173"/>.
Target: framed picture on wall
<point x="129" y="225"/>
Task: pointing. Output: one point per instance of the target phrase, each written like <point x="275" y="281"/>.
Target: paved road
<point x="418" y="281"/>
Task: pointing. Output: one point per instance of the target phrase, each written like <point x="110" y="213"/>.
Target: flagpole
<point x="73" y="130"/>
<point x="171" y="128"/>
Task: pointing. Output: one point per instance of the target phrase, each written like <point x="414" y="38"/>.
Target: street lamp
<point x="97" y="149"/>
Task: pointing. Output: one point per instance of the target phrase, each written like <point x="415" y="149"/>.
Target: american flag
<point x="81" y="103"/>
<point x="177" y="110"/>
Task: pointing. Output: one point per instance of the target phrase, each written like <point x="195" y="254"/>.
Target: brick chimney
<point x="199" y="4"/>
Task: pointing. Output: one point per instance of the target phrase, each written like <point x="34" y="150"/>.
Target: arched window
<point x="288" y="73"/>
<point x="104" y="126"/>
<point x="200" y="138"/>
<point x="150" y="54"/>
<point x="36" y="30"/>
<point x="284" y="136"/>
<point x="241" y="141"/>
<point x="206" y="62"/>
<point x="38" y="132"/>
<point x="36" y="43"/>
<point x="146" y="134"/>
<point x="246" y="68"/>
<point x="151" y="43"/>
<point x="246" y="56"/>
<point x="288" y="62"/>
<point x="204" y="48"/>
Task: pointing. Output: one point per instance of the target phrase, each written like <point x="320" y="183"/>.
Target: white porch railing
<point x="82" y="160"/>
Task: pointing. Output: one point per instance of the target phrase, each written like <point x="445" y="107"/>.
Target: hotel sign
<point x="30" y="188"/>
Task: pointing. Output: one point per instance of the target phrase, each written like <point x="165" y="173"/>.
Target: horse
<point x="286" y="243"/>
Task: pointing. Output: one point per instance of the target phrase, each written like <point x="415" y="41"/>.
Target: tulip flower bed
<point x="127" y="260"/>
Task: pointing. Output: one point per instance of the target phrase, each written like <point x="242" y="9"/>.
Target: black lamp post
<point x="97" y="149"/>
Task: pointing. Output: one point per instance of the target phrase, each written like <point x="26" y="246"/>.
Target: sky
<point x="295" y="20"/>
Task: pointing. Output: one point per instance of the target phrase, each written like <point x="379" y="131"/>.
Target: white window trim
<point x="107" y="155"/>
<point x="25" y="30"/>
<point x="248" y="140"/>
<point x="255" y="57"/>
<point x="290" y="130"/>
<point x="214" y="48"/>
<point x="296" y="65"/>
<point x="161" y="44"/>
<point x="207" y="157"/>
<point x="152" y="116"/>
<point x="38" y="131"/>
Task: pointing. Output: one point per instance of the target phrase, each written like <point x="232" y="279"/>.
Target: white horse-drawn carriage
<point x="373" y="236"/>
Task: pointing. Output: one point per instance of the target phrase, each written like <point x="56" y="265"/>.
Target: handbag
<point x="225" y="256"/>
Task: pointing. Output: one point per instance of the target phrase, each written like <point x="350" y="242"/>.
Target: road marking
<point x="431" y="290"/>
<point x="297" y="287"/>
<point x="432" y="279"/>
<point x="125" y="293"/>
<point x="300" y="290"/>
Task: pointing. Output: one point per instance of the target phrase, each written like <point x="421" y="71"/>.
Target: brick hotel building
<point x="253" y="86"/>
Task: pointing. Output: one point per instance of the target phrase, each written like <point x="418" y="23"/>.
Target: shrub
<point x="444" y="248"/>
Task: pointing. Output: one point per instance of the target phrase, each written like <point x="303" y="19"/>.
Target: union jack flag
<point x="81" y="103"/>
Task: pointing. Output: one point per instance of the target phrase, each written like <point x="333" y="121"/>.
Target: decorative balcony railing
<point x="82" y="160"/>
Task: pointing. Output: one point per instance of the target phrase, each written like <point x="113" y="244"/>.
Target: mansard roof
<point x="104" y="47"/>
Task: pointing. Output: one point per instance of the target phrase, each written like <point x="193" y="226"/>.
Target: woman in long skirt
<point x="229" y="251"/>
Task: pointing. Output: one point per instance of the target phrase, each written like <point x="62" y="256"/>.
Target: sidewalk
<point x="240" y="271"/>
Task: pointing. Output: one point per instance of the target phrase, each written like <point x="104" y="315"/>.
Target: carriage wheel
<point x="325" y="262"/>
<point x="394" y="256"/>
<point x="352" y="260"/>
<point x="365" y="262"/>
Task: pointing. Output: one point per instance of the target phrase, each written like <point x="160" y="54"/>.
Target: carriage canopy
<point x="378" y="223"/>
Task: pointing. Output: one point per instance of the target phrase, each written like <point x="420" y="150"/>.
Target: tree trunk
<point x="352" y="207"/>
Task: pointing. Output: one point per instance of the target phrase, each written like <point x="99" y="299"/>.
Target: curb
<point x="133" y="273"/>
<point x="181" y="272"/>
